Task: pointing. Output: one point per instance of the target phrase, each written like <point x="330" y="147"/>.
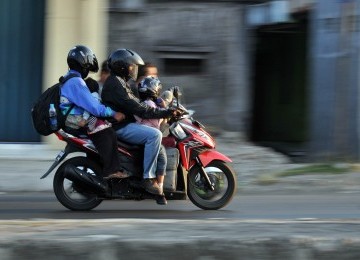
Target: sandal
<point x="117" y="175"/>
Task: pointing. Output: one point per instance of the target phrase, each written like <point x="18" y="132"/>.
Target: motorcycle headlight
<point x="202" y="133"/>
<point x="177" y="131"/>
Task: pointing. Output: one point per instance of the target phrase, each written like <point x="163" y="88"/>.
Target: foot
<point x="117" y="175"/>
<point x="161" y="200"/>
<point x="151" y="186"/>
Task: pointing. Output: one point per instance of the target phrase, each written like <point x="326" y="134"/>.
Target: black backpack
<point x="40" y="110"/>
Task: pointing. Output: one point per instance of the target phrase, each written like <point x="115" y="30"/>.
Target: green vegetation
<point x="315" y="169"/>
<point x="311" y="169"/>
<point x="267" y="180"/>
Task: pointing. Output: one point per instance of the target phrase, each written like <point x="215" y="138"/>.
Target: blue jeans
<point x="161" y="162"/>
<point x="149" y="137"/>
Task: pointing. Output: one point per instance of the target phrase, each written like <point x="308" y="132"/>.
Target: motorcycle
<point x="195" y="170"/>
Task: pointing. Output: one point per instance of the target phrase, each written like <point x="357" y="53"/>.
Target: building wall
<point x="69" y="23"/>
<point x="215" y="41"/>
<point x="209" y="36"/>
<point x="335" y="49"/>
<point x="297" y="5"/>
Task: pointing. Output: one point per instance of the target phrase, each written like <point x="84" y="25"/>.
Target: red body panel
<point x="210" y="155"/>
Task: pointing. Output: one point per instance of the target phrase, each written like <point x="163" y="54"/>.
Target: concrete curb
<point x="179" y="239"/>
<point x="257" y="249"/>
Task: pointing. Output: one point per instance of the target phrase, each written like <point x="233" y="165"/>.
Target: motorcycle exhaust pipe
<point x="85" y="179"/>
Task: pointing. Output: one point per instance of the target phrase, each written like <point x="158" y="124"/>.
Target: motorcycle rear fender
<point x="59" y="158"/>
<point x="211" y="155"/>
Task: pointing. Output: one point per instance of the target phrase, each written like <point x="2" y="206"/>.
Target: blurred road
<point x="272" y="207"/>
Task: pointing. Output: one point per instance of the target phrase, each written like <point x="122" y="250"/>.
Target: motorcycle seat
<point x="81" y="135"/>
<point x="129" y="146"/>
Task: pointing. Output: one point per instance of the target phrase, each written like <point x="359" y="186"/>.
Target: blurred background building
<point x="280" y="73"/>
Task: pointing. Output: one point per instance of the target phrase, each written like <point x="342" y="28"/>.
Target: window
<point x="183" y="66"/>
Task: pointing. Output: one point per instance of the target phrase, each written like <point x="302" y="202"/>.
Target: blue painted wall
<point x="21" y="66"/>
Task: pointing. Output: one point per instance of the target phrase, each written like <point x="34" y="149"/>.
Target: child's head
<point x="92" y="85"/>
<point x="149" y="88"/>
<point x="104" y="72"/>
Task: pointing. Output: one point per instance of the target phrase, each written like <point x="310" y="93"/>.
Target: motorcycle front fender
<point x="211" y="155"/>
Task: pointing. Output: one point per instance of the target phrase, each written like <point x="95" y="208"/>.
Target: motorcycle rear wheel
<point x="224" y="179"/>
<point x="71" y="195"/>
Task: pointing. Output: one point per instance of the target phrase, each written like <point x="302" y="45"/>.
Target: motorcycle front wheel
<point x="71" y="195"/>
<point x="223" y="179"/>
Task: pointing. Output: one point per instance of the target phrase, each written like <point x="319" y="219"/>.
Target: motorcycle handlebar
<point x="171" y="96"/>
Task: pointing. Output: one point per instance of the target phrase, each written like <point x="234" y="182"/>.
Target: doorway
<point x="280" y="94"/>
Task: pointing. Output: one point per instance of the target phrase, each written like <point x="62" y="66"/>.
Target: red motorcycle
<point x="195" y="169"/>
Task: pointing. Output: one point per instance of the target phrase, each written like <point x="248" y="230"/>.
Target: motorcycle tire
<point x="71" y="195"/>
<point x="220" y="174"/>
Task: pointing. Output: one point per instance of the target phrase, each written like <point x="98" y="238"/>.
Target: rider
<point x="75" y="95"/>
<point x="149" y="91"/>
<point x="116" y="93"/>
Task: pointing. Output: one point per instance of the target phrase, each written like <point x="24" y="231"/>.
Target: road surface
<point x="266" y="206"/>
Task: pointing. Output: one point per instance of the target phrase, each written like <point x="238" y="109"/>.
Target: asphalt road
<point x="261" y="227"/>
<point x="32" y="205"/>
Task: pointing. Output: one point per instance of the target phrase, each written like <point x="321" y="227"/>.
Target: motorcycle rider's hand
<point x="119" y="116"/>
<point x="176" y="112"/>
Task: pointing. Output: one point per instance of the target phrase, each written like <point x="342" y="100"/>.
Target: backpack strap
<point x="62" y="80"/>
<point x="69" y="110"/>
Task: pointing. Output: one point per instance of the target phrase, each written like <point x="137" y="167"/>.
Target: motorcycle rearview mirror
<point x="176" y="95"/>
<point x="176" y="92"/>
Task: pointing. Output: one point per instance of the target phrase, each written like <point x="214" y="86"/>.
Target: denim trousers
<point x="161" y="162"/>
<point x="149" y="137"/>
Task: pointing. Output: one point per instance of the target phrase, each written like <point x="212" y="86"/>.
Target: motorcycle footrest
<point x="175" y="195"/>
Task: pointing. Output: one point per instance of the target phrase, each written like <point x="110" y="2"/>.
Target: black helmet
<point x="149" y="87"/>
<point x="83" y="60"/>
<point x="124" y="63"/>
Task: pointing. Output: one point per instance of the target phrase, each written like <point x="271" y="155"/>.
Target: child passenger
<point x="149" y="90"/>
